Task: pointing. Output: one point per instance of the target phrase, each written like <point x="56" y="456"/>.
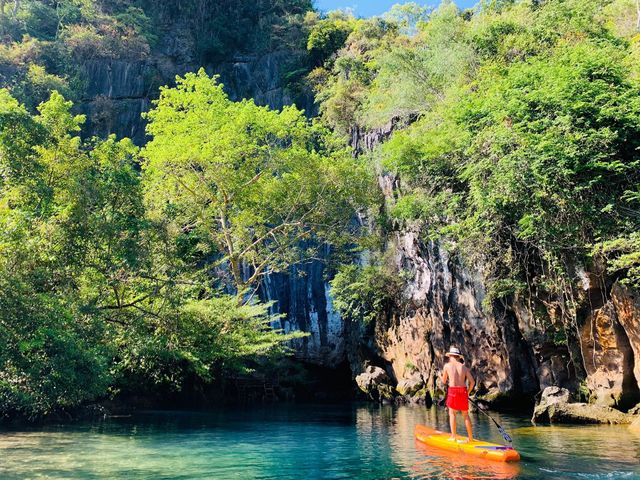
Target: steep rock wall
<point x="510" y="346"/>
<point x="513" y="346"/>
<point x="304" y="296"/>
<point x="119" y="91"/>
<point x="445" y="308"/>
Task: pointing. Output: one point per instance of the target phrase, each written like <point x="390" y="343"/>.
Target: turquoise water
<point x="304" y="442"/>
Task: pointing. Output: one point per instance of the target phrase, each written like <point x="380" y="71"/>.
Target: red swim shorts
<point x="458" y="398"/>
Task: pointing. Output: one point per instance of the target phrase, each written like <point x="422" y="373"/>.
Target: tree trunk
<point x="16" y="7"/>
<point x="638" y="15"/>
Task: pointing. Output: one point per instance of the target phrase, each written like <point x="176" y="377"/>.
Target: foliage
<point x="203" y="340"/>
<point x="50" y="357"/>
<point x="623" y="257"/>
<point x="365" y="294"/>
<point x="413" y="74"/>
<point x="225" y="27"/>
<point x="95" y="291"/>
<point x="328" y="35"/>
<point x="252" y="184"/>
<point x="341" y="83"/>
<point x="408" y="16"/>
<point x="37" y="84"/>
<point x="522" y="151"/>
<point x="64" y="34"/>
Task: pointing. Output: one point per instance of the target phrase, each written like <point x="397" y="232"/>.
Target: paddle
<point x="504" y="434"/>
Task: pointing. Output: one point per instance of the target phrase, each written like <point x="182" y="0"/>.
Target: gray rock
<point x="554" y="407"/>
<point x="412" y="385"/>
<point x="553" y="395"/>
<point x="375" y="382"/>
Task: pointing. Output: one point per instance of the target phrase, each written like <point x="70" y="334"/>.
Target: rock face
<point x="445" y="308"/>
<point x="411" y="386"/>
<point x="508" y="344"/>
<point x="304" y="296"/>
<point x="119" y="91"/>
<point x="508" y="347"/>
<point x="554" y="407"/>
<point x="607" y="357"/>
<point x="627" y="308"/>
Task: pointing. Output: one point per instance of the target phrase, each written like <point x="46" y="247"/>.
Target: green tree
<point x="328" y="35"/>
<point x="256" y="185"/>
<point x="409" y="16"/>
<point x="97" y="295"/>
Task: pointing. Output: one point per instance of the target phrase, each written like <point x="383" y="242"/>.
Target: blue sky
<point x="367" y="8"/>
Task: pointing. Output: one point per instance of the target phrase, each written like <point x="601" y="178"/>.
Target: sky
<point x="367" y="8"/>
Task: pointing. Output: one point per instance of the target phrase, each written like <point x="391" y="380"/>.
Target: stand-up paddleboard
<point x="477" y="448"/>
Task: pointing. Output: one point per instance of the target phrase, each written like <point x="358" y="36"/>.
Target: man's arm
<point x="471" y="380"/>
<point x="444" y="377"/>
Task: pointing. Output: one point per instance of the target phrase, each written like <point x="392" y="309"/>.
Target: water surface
<point x="305" y="442"/>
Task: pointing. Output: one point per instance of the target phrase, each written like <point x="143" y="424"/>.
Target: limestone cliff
<point x="118" y="91"/>
<point x="507" y="343"/>
<point x="513" y="346"/>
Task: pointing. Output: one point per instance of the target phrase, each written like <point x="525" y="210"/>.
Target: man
<point x="461" y="383"/>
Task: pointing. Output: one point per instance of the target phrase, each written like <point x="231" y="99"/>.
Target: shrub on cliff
<point x="365" y="294"/>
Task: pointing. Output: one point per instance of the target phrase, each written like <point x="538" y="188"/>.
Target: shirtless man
<point x="456" y="374"/>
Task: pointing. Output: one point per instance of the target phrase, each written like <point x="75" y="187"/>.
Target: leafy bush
<point x="51" y="358"/>
<point x="327" y="36"/>
<point x="365" y="294"/>
<point x="37" y="85"/>
<point x="204" y="341"/>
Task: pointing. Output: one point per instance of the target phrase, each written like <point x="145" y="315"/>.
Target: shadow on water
<point x="305" y="441"/>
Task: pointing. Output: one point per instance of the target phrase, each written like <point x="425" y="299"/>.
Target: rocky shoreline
<point x="555" y="406"/>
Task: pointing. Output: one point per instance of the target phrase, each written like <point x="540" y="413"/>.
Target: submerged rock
<point x="555" y="407"/>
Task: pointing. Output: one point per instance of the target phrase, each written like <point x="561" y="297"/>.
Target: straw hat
<point x="454" y="352"/>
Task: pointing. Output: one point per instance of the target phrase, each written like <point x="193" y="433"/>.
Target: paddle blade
<point x="505" y="435"/>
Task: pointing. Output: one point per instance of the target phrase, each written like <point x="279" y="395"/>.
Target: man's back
<point x="457" y="373"/>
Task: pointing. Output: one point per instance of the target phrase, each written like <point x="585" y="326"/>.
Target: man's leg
<point x="452" y="422"/>
<point x="467" y="423"/>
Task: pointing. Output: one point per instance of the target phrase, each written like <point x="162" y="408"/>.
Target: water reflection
<point x="603" y="449"/>
<point x="440" y="463"/>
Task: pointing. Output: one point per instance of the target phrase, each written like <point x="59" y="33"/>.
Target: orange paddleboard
<point x="477" y="448"/>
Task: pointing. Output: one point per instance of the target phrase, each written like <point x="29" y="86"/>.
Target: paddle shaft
<point x="504" y="434"/>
